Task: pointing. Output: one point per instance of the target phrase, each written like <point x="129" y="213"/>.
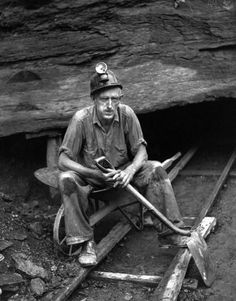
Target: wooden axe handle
<point x="156" y="212"/>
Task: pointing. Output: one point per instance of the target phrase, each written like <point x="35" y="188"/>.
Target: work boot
<point x="88" y="255"/>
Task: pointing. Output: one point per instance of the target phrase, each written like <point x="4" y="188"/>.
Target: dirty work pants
<point x="151" y="180"/>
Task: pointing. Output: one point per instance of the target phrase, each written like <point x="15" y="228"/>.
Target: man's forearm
<point x="140" y="158"/>
<point x="65" y="163"/>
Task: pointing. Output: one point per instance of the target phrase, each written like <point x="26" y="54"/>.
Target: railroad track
<point x="168" y="285"/>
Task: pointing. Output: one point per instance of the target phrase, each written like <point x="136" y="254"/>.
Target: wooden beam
<point x="139" y="279"/>
<point x="168" y="162"/>
<point x="182" y="163"/>
<point x="204" y="173"/>
<point x="170" y="285"/>
<point x="53" y="144"/>
<point x="42" y="134"/>
<point x="216" y="189"/>
<point x="103" y="248"/>
<point x="149" y="280"/>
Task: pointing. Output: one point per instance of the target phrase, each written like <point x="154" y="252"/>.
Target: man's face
<point x="106" y="103"/>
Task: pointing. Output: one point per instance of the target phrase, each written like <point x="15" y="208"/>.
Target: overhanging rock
<point x="162" y="55"/>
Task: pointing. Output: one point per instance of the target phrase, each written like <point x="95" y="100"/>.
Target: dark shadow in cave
<point x="176" y="129"/>
<point x="166" y="131"/>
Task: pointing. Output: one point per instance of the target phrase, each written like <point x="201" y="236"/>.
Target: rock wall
<point x="164" y="56"/>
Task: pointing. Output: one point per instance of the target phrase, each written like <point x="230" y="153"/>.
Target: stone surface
<point x="163" y="56"/>
<point x="37" y="286"/>
<point x="36" y="227"/>
<point x="25" y="265"/>
<point x="10" y="279"/>
<point x="4" y="244"/>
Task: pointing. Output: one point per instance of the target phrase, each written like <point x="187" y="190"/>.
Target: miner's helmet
<point x="103" y="79"/>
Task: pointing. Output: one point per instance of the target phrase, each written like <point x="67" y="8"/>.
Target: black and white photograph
<point x="117" y="150"/>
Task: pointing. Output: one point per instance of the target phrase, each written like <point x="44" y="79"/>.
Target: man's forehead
<point x="109" y="92"/>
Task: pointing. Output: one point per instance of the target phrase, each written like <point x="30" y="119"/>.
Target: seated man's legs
<point x="153" y="182"/>
<point x="74" y="192"/>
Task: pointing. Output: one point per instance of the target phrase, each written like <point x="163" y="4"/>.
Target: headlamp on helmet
<point x="103" y="79"/>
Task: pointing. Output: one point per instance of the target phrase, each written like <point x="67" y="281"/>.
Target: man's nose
<point x="109" y="103"/>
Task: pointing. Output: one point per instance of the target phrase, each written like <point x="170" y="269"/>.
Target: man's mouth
<point x="108" y="112"/>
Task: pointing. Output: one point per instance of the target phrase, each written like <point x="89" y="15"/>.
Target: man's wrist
<point x="133" y="168"/>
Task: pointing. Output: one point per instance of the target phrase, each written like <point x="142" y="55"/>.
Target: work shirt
<point x="86" y="139"/>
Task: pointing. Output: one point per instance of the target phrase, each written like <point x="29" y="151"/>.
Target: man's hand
<point x="108" y="178"/>
<point x="124" y="177"/>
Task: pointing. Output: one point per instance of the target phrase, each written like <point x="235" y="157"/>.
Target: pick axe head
<point x="199" y="250"/>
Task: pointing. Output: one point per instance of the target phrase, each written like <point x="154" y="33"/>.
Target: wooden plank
<point x="216" y="189"/>
<point x="182" y="163"/>
<point x="139" y="279"/>
<point x="103" y="248"/>
<point x="53" y="144"/>
<point x="42" y="134"/>
<point x="168" y="162"/>
<point x="149" y="280"/>
<point x="204" y="173"/>
<point x="170" y="285"/>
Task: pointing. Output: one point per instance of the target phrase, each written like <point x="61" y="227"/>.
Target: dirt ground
<point x="26" y="219"/>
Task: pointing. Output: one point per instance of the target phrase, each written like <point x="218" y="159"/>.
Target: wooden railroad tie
<point x="148" y="280"/>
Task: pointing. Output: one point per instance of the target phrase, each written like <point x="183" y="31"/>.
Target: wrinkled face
<point x="106" y="103"/>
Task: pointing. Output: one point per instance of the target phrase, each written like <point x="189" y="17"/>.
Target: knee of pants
<point x="159" y="173"/>
<point x="67" y="183"/>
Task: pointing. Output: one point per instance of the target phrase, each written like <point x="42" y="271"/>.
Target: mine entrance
<point x="166" y="131"/>
<point x="176" y="129"/>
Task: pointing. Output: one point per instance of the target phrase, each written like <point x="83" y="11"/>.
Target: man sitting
<point x="111" y="129"/>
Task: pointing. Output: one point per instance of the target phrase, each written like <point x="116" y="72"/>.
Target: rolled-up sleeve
<point x="134" y="131"/>
<point x="73" y="138"/>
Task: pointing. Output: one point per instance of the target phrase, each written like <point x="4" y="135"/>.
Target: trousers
<point x="151" y="180"/>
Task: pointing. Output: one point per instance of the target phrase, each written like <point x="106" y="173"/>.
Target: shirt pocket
<point x="120" y="154"/>
<point x="89" y="155"/>
<point x="122" y="149"/>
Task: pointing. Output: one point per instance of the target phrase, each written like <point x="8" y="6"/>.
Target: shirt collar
<point x="96" y="120"/>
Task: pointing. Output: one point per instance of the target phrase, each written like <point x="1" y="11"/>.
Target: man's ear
<point x="94" y="96"/>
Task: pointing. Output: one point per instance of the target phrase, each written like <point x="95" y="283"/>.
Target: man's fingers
<point x="126" y="181"/>
<point x="112" y="172"/>
<point x="116" y="176"/>
<point x="115" y="184"/>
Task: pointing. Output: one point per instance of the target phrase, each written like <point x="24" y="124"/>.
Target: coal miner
<point x="107" y="128"/>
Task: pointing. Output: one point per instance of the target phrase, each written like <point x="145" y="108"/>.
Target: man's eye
<point x="106" y="99"/>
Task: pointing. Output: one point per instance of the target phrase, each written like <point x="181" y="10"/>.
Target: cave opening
<point x="166" y="132"/>
<point x="178" y="128"/>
